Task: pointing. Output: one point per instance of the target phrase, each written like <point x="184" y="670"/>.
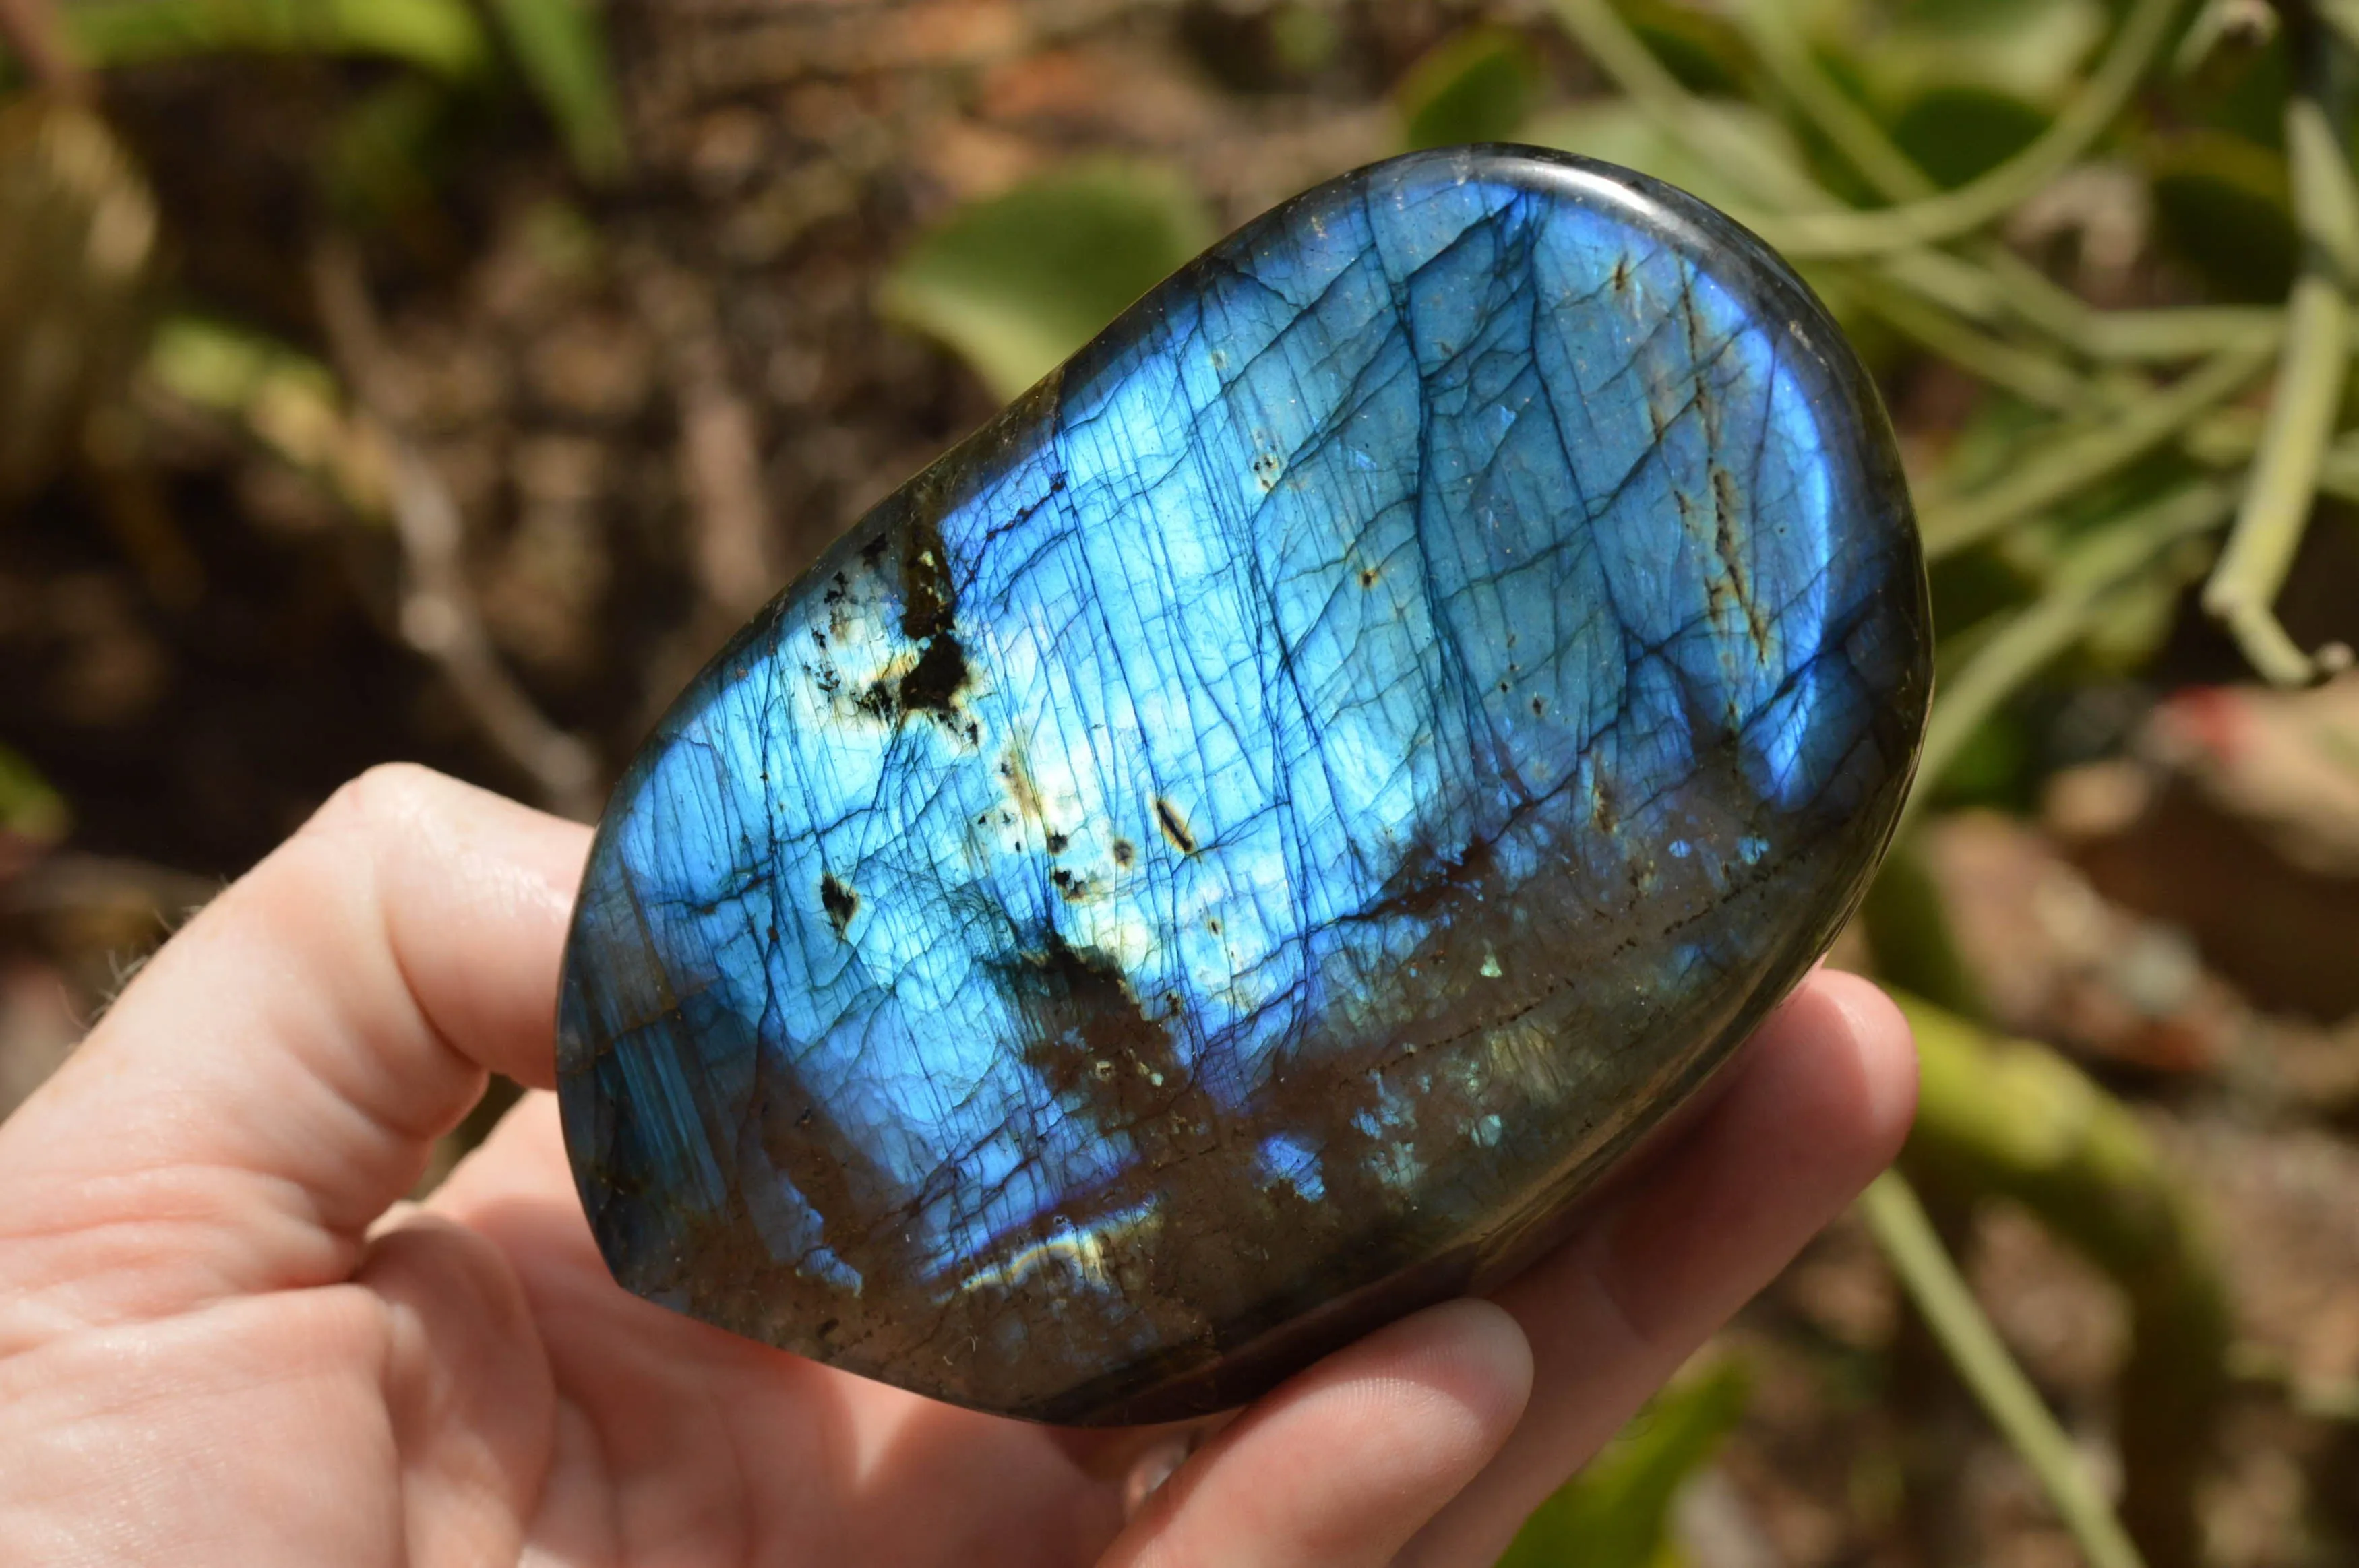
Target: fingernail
<point x="1161" y="1461"/>
<point x="1150" y="1470"/>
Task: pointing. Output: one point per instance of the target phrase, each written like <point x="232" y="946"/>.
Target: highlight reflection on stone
<point x="1226" y="856"/>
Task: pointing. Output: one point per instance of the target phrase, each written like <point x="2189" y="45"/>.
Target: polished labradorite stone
<point x="1226" y="855"/>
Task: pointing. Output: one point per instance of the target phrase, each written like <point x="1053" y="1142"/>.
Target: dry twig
<point x="439" y="614"/>
<point x="720" y="458"/>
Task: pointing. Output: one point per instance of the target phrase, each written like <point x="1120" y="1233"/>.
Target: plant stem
<point x="1999" y="283"/>
<point x="1768" y="26"/>
<point x="2183" y="332"/>
<point x="2037" y="378"/>
<point x="2059" y="619"/>
<point x="2080" y="460"/>
<point x="2012" y="1119"/>
<point x="2310" y="374"/>
<point x="1608" y="41"/>
<point x="2151" y="24"/>
<point x="1997" y="289"/>
<point x="2342" y="16"/>
<point x="1933" y="1283"/>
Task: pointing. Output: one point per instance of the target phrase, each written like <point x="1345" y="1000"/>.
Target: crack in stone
<point x="1395" y="710"/>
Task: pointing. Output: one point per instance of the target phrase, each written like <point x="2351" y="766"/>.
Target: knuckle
<point x="381" y="799"/>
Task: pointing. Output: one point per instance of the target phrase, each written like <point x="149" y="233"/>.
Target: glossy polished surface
<point x="1226" y="856"/>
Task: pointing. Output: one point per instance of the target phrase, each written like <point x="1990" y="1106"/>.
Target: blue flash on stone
<point x="1230" y="852"/>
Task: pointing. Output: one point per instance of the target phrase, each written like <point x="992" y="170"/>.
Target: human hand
<point x="224" y="1340"/>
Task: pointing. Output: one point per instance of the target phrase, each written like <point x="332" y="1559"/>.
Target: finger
<point x="273" y="1079"/>
<point x="467" y="1393"/>
<point x="815" y="1457"/>
<point x="518" y="1190"/>
<point x="1340" y="1465"/>
<point x="1821" y="1101"/>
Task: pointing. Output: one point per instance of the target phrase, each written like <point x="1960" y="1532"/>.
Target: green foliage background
<point x="1938" y="168"/>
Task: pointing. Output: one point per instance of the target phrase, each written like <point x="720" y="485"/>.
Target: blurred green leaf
<point x="441" y="36"/>
<point x="1260" y="48"/>
<point x="2221" y="204"/>
<point x="286" y="400"/>
<point x="1905" y="919"/>
<point x="1302" y="38"/>
<point x="2240" y="85"/>
<point x="1616" y="1513"/>
<point x="2127" y="631"/>
<point x="1994" y="765"/>
<point x="1997" y="436"/>
<point x="1017" y="283"/>
<point x="1956" y="131"/>
<point x="564" y="241"/>
<point x="1972" y="585"/>
<point x="2030" y="49"/>
<point x="29" y="808"/>
<point x="2011" y="1119"/>
<point x="1478" y="86"/>
<point x="377" y="163"/>
<point x="1703" y="52"/>
<point x="1982" y="675"/>
<point x="227" y="368"/>
<point x="561" y="46"/>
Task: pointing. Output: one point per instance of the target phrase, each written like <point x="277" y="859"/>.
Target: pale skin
<point x="223" y="1339"/>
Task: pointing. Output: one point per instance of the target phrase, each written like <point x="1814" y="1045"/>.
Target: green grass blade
<point x="561" y="47"/>
<point x="1973" y="1348"/>
<point x="438" y="37"/>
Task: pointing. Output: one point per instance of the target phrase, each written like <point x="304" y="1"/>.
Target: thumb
<point x="274" y="1078"/>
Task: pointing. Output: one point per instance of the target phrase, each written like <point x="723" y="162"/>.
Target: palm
<point x="720" y="1451"/>
<point x="221" y="1342"/>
